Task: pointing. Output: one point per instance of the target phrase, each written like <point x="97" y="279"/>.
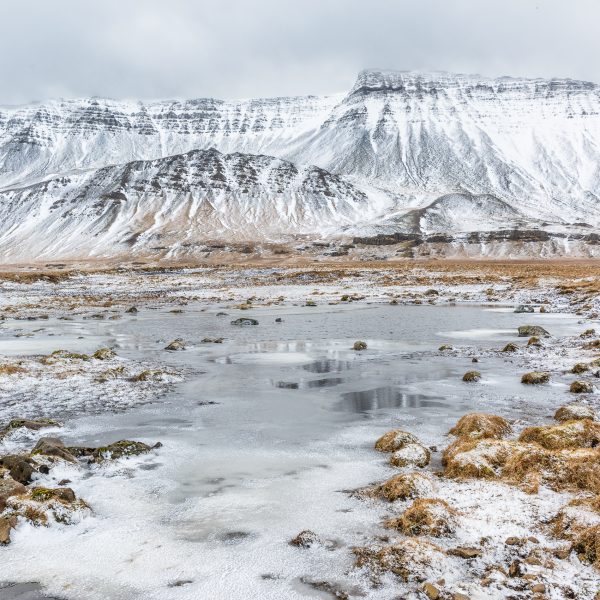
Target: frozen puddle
<point x="262" y="439"/>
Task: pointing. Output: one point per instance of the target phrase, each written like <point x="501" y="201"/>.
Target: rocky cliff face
<point x="423" y="154"/>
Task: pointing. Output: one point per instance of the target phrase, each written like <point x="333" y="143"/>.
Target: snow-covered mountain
<point x="400" y="152"/>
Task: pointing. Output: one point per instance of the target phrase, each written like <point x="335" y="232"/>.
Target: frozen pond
<point x="263" y="439"/>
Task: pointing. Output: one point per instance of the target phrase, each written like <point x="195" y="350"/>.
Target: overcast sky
<point x="248" y="48"/>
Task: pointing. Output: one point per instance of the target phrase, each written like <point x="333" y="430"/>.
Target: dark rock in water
<point x="20" y="467"/>
<point x="475" y="359"/>
<point x="244" y="321"/>
<point x="510" y="347"/>
<point x="212" y="340"/>
<point x="222" y="314"/>
<point x="177" y="344"/>
<point x="524" y="308"/>
<point x="470" y="376"/>
<point x="133" y="310"/>
<point x="278" y="320"/>
<point x="532" y="330"/>
<point x="9" y="487"/>
<point x="51" y="446"/>
<point x="359" y="345"/>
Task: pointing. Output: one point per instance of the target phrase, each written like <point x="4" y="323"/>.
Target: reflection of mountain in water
<point x="386" y="397"/>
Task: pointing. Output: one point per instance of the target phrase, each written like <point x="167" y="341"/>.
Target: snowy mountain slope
<point x="533" y="143"/>
<point x="174" y="202"/>
<point x="42" y="140"/>
<point x="406" y="152"/>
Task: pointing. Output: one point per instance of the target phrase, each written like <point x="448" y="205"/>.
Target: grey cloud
<point x="244" y="48"/>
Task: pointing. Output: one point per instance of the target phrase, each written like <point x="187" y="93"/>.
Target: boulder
<point x="33" y="425"/>
<point x="359" y="345"/>
<point x="132" y="311"/>
<point x="471" y="376"/>
<point x="121" y="449"/>
<point x="6" y="525"/>
<point x="9" y="487"/>
<point x="244" y="321"/>
<point x="510" y="347"/>
<point x="19" y="467"/>
<point x="177" y="344"/>
<point x="529" y="330"/>
<point x="104" y="354"/>
<point x="524" y="308"/>
<point x="51" y="446"/>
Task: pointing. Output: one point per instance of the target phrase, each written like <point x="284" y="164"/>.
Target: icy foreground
<point x="453" y="164"/>
<point x="332" y="449"/>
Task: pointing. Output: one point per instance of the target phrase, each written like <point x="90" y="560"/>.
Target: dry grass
<point x="425" y="516"/>
<point x="11" y="370"/>
<point x="573" y="412"/>
<point x="568" y="435"/>
<point x="407" y="559"/>
<point x="562" y="470"/>
<point x="587" y="546"/>
<point x="476" y="458"/>
<point x="403" y="487"/>
<point x="481" y="425"/>
<point x="535" y="378"/>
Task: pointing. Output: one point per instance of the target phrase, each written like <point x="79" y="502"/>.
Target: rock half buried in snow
<point x="33" y="425"/>
<point x="177" y="344"/>
<point x="471" y="376"/>
<point x="244" y="321"/>
<point x="529" y="330"/>
<point x="524" y="308"/>
<point x="51" y="446"/>
<point x="121" y="449"/>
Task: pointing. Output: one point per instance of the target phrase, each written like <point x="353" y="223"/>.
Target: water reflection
<point x="328" y="365"/>
<point x="386" y="397"/>
<point x="310" y="384"/>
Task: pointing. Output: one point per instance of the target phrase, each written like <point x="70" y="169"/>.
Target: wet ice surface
<point x="260" y="442"/>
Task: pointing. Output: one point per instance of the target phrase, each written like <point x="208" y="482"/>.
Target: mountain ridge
<point x="399" y="140"/>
